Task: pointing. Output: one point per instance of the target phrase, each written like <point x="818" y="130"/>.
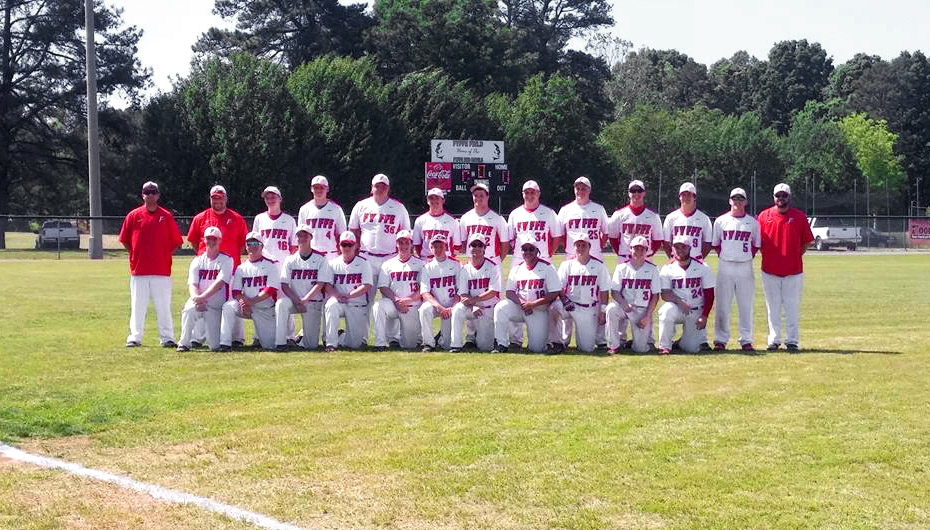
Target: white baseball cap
<point x="319" y="179"/>
<point x="404" y="234"/>
<point x="304" y="228"/>
<point x="636" y="183"/>
<point x="687" y="186"/>
<point x="437" y="192"/>
<point x="149" y="185"/>
<point x="347" y="236"/>
<point x="583" y="180"/>
<point x="738" y="191"/>
<point x="380" y="178"/>
<point x="782" y="187"/>
<point x="476" y="237"/>
<point x="438" y="238"/>
<point x="639" y="241"/>
<point x="253" y="236"/>
<point x="272" y="189"/>
<point x="681" y="239"/>
<point x="530" y="185"/>
<point x="526" y="238"/>
<point x="582" y="240"/>
<point x="213" y="231"/>
<point x="480" y="186"/>
<point x="217" y="190"/>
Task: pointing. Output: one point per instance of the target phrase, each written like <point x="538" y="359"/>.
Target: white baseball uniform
<point x="346" y="278"/>
<point x="428" y="225"/>
<point x="203" y="272"/>
<point x="628" y="222"/>
<point x="542" y="224"/>
<point x="696" y="226"/>
<point x="689" y="285"/>
<point x="403" y="278"/>
<point x="440" y="279"/>
<point x="278" y="234"/>
<point x="474" y="282"/>
<point x="251" y="278"/>
<point x="583" y="284"/>
<point x="492" y="226"/>
<point x="636" y="287"/>
<point x="301" y="274"/>
<point x="584" y="221"/>
<point x="327" y="222"/>
<point x="738" y="239"/>
<point x="527" y="284"/>
<point x="379" y="224"/>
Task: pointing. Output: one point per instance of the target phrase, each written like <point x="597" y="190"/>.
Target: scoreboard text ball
<point x="458" y="177"/>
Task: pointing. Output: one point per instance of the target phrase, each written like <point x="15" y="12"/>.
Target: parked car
<point x="55" y="233"/>
<point x="874" y="238"/>
<point x="834" y="232"/>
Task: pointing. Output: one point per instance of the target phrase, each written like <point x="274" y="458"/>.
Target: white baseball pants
<point x="484" y="326"/>
<point x="356" y="329"/>
<point x="783" y="293"/>
<point x="427" y="314"/>
<point x="158" y="289"/>
<point x="285" y="314"/>
<point x="211" y="319"/>
<point x="617" y="321"/>
<point x="585" y="323"/>
<point x="537" y="323"/>
<point x="734" y="278"/>
<point x="262" y="317"/>
<point x="385" y="314"/>
<point x="669" y="317"/>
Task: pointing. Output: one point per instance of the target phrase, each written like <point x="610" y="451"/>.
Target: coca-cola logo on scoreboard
<point x="439" y="175"/>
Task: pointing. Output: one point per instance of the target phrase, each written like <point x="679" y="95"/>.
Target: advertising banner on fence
<point x="918" y="231"/>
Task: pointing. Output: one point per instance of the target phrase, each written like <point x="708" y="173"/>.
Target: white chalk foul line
<point x="158" y="492"/>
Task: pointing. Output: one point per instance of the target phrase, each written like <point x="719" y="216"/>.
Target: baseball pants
<point x="734" y="278"/>
<point x="617" y="321"/>
<point x="141" y="290"/>
<point x="262" y="317"/>
<point x="783" y="293"/>
<point x="585" y="323"/>
<point x="537" y="322"/>
<point x="285" y="314"/>
<point x="211" y="319"/>
<point x="356" y="329"/>
<point x="385" y="313"/>
<point x="200" y="333"/>
<point x="669" y="317"/>
<point x="483" y="325"/>
<point x="428" y="313"/>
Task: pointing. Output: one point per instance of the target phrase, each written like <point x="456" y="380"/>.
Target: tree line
<point x="309" y="87"/>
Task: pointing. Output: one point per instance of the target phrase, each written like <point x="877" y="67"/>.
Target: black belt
<point x="379" y="255"/>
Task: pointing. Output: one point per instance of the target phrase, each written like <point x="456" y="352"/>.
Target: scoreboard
<point x="459" y="177"/>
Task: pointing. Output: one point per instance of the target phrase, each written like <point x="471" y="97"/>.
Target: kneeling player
<point x="439" y="289"/>
<point x="531" y="287"/>
<point x="399" y="283"/>
<point x="585" y="283"/>
<point x="254" y="290"/>
<point x="688" y="292"/>
<point x="479" y="289"/>
<point x="304" y="277"/>
<point x="635" y="289"/>
<point x="348" y="296"/>
<point x="209" y="275"/>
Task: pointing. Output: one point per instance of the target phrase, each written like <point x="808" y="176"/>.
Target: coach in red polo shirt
<point x="150" y="235"/>
<point x="786" y="235"/>
<point x="230" y="223"/>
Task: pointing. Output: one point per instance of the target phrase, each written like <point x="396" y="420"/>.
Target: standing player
<point x="633" y="220"/>
<point x="277" y="229"/>
<point x="304" y="277"/>
<point x="436" y="221"/>
<point x="151" y="236"/>
<point x="536" y="223"/>
<point x="785" y="237"/>
<point x="255" y="287"/>
<point x="324" y="216"/>
<point x="230" y="223"/>
<point x="208" y="280"/>
<point x="584" y="219"/>
<point x="585" y="283"/>
<point x="484" y="221"/>
<point x="349" y="296"/>
<point x="439" y="289"/>
<point x="532" y="285"/>
<point x="375" y="222"/>
<point x="479" y="291"/>
<point x="688" y="292"/>
<point x="399" y="283"/>
<point x="736" y="239"/>
<point x="635" y="288"/>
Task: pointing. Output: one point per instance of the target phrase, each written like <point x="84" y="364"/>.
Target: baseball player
<point x="399" y="283"/>
<point x="688" y="292"/>
<point x="208" y="280"/>
<point x="349" y="296"/>
<point x="633" y="220"/>
<point x="635" y="288"/>
<point x="479" y="291"/>
<point x="536" y="223"/>
<point x="151" y="236"/>
<point x="483" y="220"/>
<point x="304" y="277"/>
<point x="325" y="217"/>
<point x="736" y="239"/>
<point x="585" y="283"/>
<point x="254" y="287"/>
<point x="276" y="228"/>
<point x="435" y="221"/>
<point x="440" y="292"/>
<point x="532" y="285"/>
<point x="375" y="222"/>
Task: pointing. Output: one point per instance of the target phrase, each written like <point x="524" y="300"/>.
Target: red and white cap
<point x="347" y="236"/>
<point x="436" y="192"/>
<point x="530" y="185"/>
<point x="212" y="231"/>
<point x="217" y="190"/>
<point x="687" y="186"/>
<point x="480" y="186"/>
<point x="682" y="240"/>
<point x="304" y="228"/>
<point x="405" y="234"/>
<point x="526" y="238"/>
<point x="782" y="188"/>
<point x="738" y="191"/>
<point x="271" y="189"/>
<point x="639" y="241"/>
<point x="150" y="185"/>
<point x="254" y="236"/>
<point x="438" y="238"/>
<point x="319" y="180"/>
<point x="475" y="237"/>
<point x="636" y="184"/>
<point x="380" y="178"/>
<point x="583" y="180"/>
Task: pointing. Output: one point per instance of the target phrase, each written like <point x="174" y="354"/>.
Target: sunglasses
<point x="253" y="244"/>
<point x="637" y="190"/>
<point x="781" y="195"/>
<point x="738" y="199"/>
<point x="347" y="244"/>
<point x="149" y="192"/>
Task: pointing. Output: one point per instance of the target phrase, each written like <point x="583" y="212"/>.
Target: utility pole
<point x="95" y="245"/>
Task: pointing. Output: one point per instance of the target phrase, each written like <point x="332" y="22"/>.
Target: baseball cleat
<point x="224" y="348"/>
<point x="705" y="347"/>
<point x="747" y="347"/>
<point x="455" y="350"/>
<point x="665" y="351"/>
<point x="499" y="349"/>
<point x="196" y="344"/>
<point x="470" y="345"/>
<point x="329" y="349"/>
<point x="612" y="351"/>
<point x="380" y="348"/>
<point x="237" y="344"/>
<point x="291" y="343"/>
<point x="772" y="347"/>
<point x="133" y="344"/>
<point x="555" y="348"/>
<point x="793" y="348"/>
<point x="394" y="345"/>
<point x="281" y="348"/>
<point x="183" y="349"/>
<point x="256" y="344"/>
<point x="426" y="349"/>
<point x="169" y="344"/>
<point x="719" y="346"/>
<point x="628" y="344"/>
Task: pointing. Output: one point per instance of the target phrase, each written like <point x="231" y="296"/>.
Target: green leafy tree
<point x="735" y="83"/>
<point x="665" y="78"/>
<point x="796" y="72"/>
<point x="873" y="146"/>
<point x="643" y="145"/>
<point x="816" y="148"/>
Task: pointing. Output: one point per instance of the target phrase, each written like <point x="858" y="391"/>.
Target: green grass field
<point x="837" y="437"/>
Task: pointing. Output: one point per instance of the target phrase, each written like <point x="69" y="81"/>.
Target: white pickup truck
<point x="58" y="234"/>
<point x="834" y="232"/>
